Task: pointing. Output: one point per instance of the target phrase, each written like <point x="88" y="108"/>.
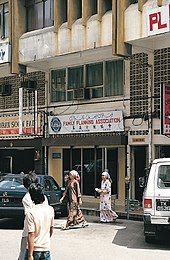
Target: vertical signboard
<point x="165" y="109"/>
<point x="20" y="110"/>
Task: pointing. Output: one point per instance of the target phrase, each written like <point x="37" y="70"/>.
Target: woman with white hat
<point x="106" y="213"/>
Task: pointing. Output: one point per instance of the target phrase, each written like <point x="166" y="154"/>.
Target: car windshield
<point x="11" y="183"/>
<point x="164" y="176"/>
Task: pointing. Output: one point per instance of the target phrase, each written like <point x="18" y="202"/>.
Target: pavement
<point x="135" y="212"/>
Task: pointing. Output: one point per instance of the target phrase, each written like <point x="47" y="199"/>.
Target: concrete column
<point x="159" y="2"/>
<point x="122" y="48"/>
<point x="59" y="10"/>
<point x="18" y="27"/>
<point x="114" y="25"/>
<point x="140" y="4"/>
<point x="86" y="10"/>
<point x="100" y="9"/>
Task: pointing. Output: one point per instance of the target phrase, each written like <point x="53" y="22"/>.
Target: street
<point x="121" y="240"/>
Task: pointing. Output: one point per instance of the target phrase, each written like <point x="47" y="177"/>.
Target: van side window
<point x="164" y="176"/>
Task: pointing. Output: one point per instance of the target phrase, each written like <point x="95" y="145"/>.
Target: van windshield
<point x="164" y="176"/>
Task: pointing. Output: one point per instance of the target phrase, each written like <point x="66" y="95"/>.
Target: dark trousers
<point x="39" y="255"/>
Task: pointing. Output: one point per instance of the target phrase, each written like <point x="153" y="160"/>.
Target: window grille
<point x="161" y="74"/>
<point x="139" y="84"/>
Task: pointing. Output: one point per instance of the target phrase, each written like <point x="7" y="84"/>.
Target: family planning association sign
<point x="111" y="121"/>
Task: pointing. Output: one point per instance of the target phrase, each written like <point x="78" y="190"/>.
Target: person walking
<point x="106" y="213"/>
<point x="73" y="194"/>
<point x="39" y="221"/>
<point x="28" y="179"/>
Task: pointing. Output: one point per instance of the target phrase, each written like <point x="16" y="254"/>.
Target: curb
<point x="121" y="215"/>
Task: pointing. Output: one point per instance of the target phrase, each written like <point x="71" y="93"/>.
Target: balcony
<point x="37" y="45"/>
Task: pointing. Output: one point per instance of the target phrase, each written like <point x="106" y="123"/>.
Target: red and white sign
<point x="166" y="109"/>
<point x="9" y="125"/>
<point x="158" y="20"/>
<point x="111" y="121"/>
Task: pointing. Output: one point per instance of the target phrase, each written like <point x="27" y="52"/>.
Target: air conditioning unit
<point x="81" y="93"/>
<point x="30" y="85"/>
<point x="5" y="90"/>
<point x="78" y="93"/>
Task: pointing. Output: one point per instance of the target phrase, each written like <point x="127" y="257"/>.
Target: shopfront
<point x="20" y="153"/>
<point x="89" y="148"/>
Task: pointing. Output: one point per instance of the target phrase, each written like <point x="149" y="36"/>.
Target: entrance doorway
<point x="90" y="162"/>
<point x="140" y="155"/>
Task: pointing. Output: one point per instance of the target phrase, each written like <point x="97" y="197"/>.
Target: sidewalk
<point x="92" y="208"/>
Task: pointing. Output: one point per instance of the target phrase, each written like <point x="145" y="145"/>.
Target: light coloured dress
<point x="106" y="213"/>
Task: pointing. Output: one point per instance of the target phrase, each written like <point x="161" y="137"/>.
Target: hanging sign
<point x="165" y="109"/>
<point x="86" y="123"/>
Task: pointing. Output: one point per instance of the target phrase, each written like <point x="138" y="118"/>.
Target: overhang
<point x="152" y="43"/>
<point x="70" y="59"/>
<point x="85" y="140"/>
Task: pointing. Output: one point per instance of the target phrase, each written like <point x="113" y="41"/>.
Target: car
<point x="12" y="191"/>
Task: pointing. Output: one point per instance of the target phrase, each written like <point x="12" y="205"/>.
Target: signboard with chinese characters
<point x="111" y="121"/>
<point x="9" y="125"/>
<point x="165" y="107"/>
<point x="158" y="20"/>
<point x="5" y="52"/>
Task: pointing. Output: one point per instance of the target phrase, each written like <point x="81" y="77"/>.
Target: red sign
<point x="166" y="110"/>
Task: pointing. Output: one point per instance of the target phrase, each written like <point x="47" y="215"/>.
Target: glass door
<point x="89" y="163"/>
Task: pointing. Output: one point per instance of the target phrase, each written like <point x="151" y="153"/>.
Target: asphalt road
<point x="121" y="240"/>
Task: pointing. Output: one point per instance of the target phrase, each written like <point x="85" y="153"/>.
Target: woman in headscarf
<point x="75" y="215"/>
<point x="106" y="213"/>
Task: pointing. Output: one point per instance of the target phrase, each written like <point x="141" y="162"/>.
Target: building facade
<point x="83" y="89"/>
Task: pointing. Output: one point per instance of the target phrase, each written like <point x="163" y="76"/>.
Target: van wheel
<point x="149" y="239"/>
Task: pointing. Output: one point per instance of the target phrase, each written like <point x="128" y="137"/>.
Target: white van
<point x="156" y="200"/>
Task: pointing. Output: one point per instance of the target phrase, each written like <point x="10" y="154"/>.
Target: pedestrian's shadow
<point x="130" y="235"/>
<point x="70" y="228"/>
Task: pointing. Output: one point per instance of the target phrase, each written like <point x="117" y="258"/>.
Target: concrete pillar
<point x="140" y="4"/>
<point x="59" y="10"/>
<point x="122" y="48"/>
<point x="18" y="27"/>
<point x="159" y="2"/>
<point x="86" y="10"/>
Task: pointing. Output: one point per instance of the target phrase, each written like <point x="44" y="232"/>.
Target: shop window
<point x="107" y="5"/>
<point x="58" y="85"/>
<point x="4" y="16"/>
<point x="114" y="78"/>
<point x="40" y="14"/>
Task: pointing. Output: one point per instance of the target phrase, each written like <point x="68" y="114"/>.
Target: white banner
<point x="111" y="121"/>
<point x="158" y="20"/>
